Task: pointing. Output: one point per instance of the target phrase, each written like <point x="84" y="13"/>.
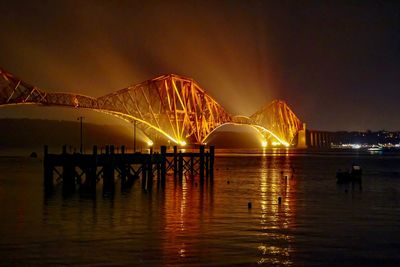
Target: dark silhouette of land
<point x="32" y="134"/>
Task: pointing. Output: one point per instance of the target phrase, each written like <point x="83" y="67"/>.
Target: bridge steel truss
<point x="279" y="119"/>
<point x="173" y="106"/>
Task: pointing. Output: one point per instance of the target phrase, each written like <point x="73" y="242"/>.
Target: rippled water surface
<point x="317" y="223"/>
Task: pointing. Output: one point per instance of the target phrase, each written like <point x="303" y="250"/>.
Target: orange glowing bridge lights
<point x="171" y="105"/>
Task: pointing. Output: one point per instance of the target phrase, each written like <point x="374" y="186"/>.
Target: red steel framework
<point x="171" y="105"/>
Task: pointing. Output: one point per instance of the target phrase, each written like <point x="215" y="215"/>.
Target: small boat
<point x="350" y="176"/>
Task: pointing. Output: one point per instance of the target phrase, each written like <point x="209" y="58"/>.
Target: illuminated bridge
<point x="172" y="106"/>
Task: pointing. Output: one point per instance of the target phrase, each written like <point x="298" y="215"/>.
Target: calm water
<point x="318" y="222"/>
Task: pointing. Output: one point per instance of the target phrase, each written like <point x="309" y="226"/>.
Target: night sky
<point x="336" y="63"/>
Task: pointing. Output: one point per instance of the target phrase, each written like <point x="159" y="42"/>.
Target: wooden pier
<point x="84" y="171"/>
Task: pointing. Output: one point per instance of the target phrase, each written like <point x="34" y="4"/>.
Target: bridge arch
<point x="261" y="130"/>
<point x="174" y="106"/>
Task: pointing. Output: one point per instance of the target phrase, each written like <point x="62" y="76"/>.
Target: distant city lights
<point x="375" y="147"/>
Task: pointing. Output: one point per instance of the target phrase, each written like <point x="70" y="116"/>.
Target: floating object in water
<point x="279" y="200"/>
<point x="34" y="155"/>
<point x="249" y="205"/>
<point x="353" y="176"/>
<point x="228" y="182"/>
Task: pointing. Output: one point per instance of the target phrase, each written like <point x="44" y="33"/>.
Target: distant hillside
<point x="32" y="134"/>
<point x="227" y="139"/>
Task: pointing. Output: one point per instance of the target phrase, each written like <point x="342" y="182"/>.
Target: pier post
<point x="123" y="168"/>
<point x="180" y="167"/>
<point x="158" y="168"/>
<point x="108" y="171"/>
<point x="48" y="169"/>
<point x="191" y="165"/>
<point x="163" y="165"/>
<point x="212" y="154"/>
<point x="91" y="173"/>
<point x="207" y="158"/>
<point x="201" y="167"/>
<point x="110" y="162"/>
<point x="175" y="161"/>
<point x="68" y="174"/>
<point x="150" y="171"/>
<point x="144" y="176"/>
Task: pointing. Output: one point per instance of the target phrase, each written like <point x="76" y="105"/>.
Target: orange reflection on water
<point x="183" y="215"/>
<point x="277" y="199"/>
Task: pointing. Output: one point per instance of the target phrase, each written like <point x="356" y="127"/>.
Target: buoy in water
<point x="249" y="205"/>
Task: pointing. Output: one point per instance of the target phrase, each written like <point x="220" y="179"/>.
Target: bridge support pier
<point x="301" y="138"/>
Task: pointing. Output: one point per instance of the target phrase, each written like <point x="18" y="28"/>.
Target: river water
<point x="317" y="223"/>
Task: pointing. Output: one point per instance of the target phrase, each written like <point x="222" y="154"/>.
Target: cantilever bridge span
<point x="171" y="105"/>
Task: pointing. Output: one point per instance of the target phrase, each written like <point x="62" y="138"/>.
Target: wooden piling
<point x="48" y="170"/>
<point x="180" y="166"/>
<point x="175" y="161"/>
<point x="201" y="160"/>
<point x="108" y="171"/>
<point x="144" y="176"/>
<point x="163" y="165"/>
<point x="69" y="174"/>
<point x="201" y="163"/>
<point x="91" y="174"/>
<point x="112" y="150"/>
<point x="206" y="157"/>
<point x="212" y="155"/>
<point x="123" y="168"/>
<point x="150" y="171"/>
<point x="158" y="169"/>
<point x="191" y="165"/>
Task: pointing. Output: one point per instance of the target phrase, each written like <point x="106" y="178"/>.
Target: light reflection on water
<point x="193" y="224"/>
<point x="276" y="183"/>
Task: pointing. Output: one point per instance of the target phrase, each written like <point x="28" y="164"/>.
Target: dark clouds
<point x="336" y="63"/>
